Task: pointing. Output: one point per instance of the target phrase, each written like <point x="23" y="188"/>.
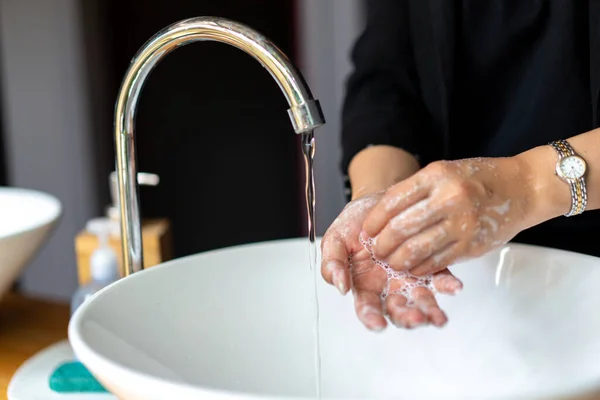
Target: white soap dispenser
<point x="104" y="264"/>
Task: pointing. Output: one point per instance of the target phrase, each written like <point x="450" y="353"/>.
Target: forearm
<point x="551" y="195"/>
<point x="378" y="167"/>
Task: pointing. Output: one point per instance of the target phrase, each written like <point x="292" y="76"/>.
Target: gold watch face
<point x="571" y="168"/>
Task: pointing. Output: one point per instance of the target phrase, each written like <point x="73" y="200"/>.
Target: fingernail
<point x="339" y="283"/>
<point x="373" y="322"/>
<point x="454" y="287"/>
<point x="440" y="320"/>
<point x="335" y="282"/>
<point x="415" y="324"/>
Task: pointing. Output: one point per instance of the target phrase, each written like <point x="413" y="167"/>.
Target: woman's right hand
<point x="367" y="280"/>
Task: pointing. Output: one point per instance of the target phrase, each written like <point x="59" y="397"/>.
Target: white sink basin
<point x="26" y="219"/>
<point x="236" y="324"/>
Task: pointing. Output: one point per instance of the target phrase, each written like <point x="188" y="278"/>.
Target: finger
<point x="445" y="282"/>
<point x="417" y="249"/>
<point x="334" y="263"/>
<point x="405" y="225"/>
<point x="396" y="199"/>
<point x="438" y="261"/>
<point x="369" y="310"/>
<point x="401" y="314"/>
<point x="425" y="300"/>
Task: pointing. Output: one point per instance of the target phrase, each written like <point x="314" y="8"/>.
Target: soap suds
<point x="501" y="209"/>
<point x="491" y="222"/>
<point x="393" y="202"/>
<point x="350" y="212"/>
<point x="407" y="281"/>
<point x="418" y="214"/>
<point x="471" y="164"/>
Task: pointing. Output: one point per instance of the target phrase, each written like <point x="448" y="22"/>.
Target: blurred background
<point x="211" y="122"/>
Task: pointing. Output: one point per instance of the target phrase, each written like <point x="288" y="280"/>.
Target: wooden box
<point x="156" y="240"/>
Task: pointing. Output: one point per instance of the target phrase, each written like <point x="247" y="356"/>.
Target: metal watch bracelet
<point x="577" y="185"/>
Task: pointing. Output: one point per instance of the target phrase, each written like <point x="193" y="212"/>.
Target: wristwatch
<point x="571" y="168"/>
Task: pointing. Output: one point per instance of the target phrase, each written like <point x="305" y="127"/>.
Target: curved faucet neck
<point x="304" y="112"/>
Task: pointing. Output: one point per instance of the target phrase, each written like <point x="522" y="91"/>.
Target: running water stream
<point x="308" y="149"/>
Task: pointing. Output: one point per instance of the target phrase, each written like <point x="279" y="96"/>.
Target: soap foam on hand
<point x="403" y="284"/>
<point x="409" y="281"/>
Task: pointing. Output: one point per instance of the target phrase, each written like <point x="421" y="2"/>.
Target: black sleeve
<point x="382" y="103"/>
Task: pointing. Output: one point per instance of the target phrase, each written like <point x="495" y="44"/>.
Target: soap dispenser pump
<point x="143" y="179"/>
<point x="156" y="233"/>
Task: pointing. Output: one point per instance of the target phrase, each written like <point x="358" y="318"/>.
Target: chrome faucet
<point x="305" y="112"/>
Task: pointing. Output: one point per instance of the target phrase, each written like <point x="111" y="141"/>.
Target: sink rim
<point x="54" y="203"/>
<point x="123" y="373"/>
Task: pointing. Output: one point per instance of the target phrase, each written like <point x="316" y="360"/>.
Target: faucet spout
<point x="304" y="112"/>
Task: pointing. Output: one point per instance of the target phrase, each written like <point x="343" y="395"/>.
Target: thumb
<point x="334" y="262"/>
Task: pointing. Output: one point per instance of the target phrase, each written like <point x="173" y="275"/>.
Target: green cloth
<point x="73" y="377"/>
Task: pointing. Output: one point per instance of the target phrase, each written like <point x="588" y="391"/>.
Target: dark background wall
<point x="212" y="123"/>
<point x="3" y="163"/>
<point x="60" y="74"/>
<point x="3" y="181"/>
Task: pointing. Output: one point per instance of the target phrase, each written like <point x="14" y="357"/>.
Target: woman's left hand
<point x="451" y="210"/>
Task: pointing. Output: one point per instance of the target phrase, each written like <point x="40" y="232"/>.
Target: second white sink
<point x="27" y="217"/>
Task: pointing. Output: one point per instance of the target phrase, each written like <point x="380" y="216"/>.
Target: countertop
<point x="27" y="326"/>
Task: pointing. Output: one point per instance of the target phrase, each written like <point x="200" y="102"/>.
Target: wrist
<point x="376" y="168"/>
<point x="365" y="190"/>
<point x="547" y="195"/>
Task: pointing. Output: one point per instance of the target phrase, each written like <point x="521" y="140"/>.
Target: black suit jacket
<point x="408" y="90"/>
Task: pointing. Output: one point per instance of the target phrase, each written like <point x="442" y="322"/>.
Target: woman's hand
<point x="449" y="211"/>
<point x="369" y="281"/>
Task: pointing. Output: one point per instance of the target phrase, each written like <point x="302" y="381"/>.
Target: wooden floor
<point x="26" y="327"/>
